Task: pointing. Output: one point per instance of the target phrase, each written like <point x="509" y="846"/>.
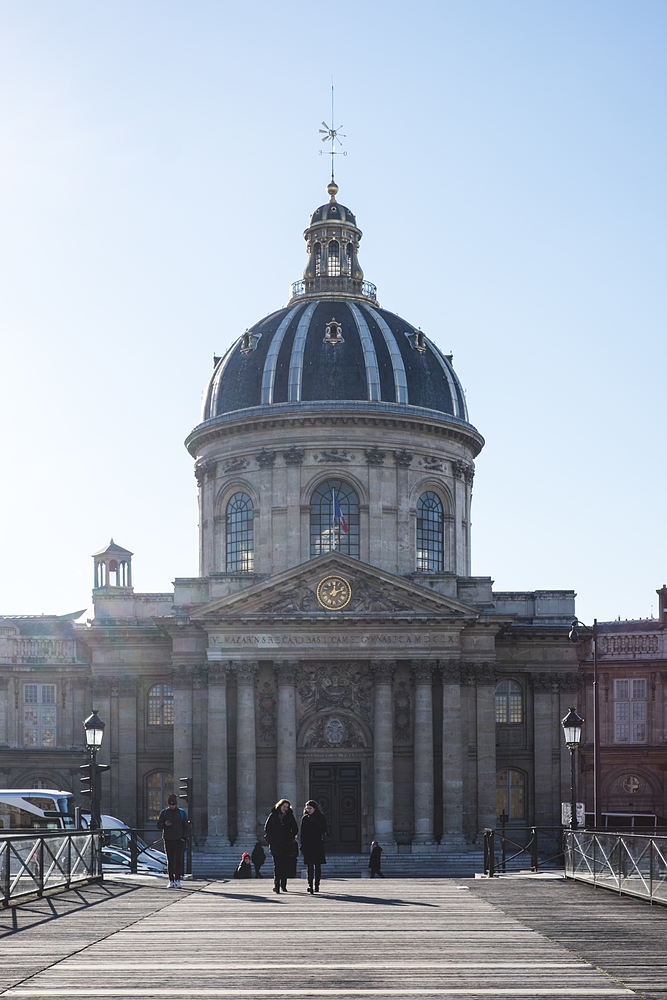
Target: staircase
<point x="423" y="865"/>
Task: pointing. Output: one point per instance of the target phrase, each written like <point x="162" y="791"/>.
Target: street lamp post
<point x="572" y="724"/>
<point x="575" y="636"/>
<point x="92" y="772"/>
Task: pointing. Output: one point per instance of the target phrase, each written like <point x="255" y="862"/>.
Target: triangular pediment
<point x="373" y="592"/>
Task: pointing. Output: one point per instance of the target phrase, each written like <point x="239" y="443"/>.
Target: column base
<point x="216" y="843"/>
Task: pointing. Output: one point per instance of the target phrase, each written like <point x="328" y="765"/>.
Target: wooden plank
<point x="383" y="938"/>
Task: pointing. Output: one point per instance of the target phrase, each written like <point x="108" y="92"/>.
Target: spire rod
<point x="332" y="134"/>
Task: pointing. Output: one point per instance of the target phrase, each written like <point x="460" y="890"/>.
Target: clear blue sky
<point x="506" y="161"/>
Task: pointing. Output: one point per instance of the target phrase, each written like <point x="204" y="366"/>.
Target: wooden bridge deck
<point x="439" y="938"/>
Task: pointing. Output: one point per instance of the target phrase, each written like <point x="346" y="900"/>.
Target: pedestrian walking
<point x="313" y="830"/>
<point x="258" y="858"/>
<point x="374" y="861"/>
<point x="280" y="832"/>
<point x="174" y="825"/>
<point x="244" y="870"/>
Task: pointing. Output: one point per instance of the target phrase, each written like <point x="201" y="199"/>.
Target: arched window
<point x="430" y="540"/>
<point x="159" y="785"/>
<point x="510" y="794"/>
<point x="328" y="532"/>
<point x="318" y="259"/>
<point x="239" y="533"/>
<point x="334" y="259"/>
<point x="509" y="702"/>
<point x="161" y="705"/>
<point x="350" y="254"/>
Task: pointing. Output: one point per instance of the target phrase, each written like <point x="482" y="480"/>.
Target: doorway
<point x="337" y="790"/>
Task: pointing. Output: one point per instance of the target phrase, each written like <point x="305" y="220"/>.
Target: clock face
<point x="334" y="593"/>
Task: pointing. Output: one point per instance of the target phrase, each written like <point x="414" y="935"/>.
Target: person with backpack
<point x="174" y="825"/>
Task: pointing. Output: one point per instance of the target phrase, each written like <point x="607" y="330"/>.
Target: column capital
<point x="451" y="671"/>
<point x="181" y="677"/>
<point x="383" y="671"/>
<point x="101" y="687"/>
<point x="423" y="670"/>
<point x="246" y="670"/>
<point x="484" y="673"/>
<point x="543" y="683"/>
<point x="285" y="671"/>
<point x="217" y="672"/>
<point x="126" y="686"/>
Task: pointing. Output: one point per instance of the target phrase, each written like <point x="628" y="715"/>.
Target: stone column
<point x="542" y="741"/>
<point x="216" y="794"/>
<point x="383" y="751"/>
<point x="246" y="752"/>
<point x="182" y="684"/>
<point x="128" y="791"/>
<point x="4" y="704"/>
<point x="423" y="752"/>
<point x="452" y="754"/>
<point x="485" y="674"/>
<point x="286" y="742"/>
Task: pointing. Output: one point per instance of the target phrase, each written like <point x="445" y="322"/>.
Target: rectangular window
<point x="501" y="710"/>
<point x="630" y="710"/>
<point x="39" y="715"/>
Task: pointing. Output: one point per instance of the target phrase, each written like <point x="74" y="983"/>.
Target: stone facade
<point x="359" y="663"/>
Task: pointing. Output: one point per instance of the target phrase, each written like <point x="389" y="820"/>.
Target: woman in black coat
<point x="313" y="829"/>
<point x="280" y="832"/>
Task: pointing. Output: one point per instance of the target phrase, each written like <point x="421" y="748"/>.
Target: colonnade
<point x="456" y="737"/>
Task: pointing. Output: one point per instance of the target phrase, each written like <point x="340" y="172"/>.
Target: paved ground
<point x="440" y="938"/>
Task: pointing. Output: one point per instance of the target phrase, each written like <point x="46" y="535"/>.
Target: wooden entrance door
<point x="337" y="790"/>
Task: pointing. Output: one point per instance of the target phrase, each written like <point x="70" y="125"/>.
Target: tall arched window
<point x="334" y="259"/>
<point x="510" y="794"/>
<point x="350" y="254"/>
<point x="328" y="532"/>
<point x="318" y="259"/>
<point x="509" y="702"/>
<point x="159" y="785"/>
<point x="239" y="533"/>
<point x="161" y="705"/>
<point x="430" y="538"/>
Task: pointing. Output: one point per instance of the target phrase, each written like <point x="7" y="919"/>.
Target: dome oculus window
<point x="509" y="703"/>
<point x="240" y="541"/>
<point x="430" y="540"/>
<point x="327" y="532"/>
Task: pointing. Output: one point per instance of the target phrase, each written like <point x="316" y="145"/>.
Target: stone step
<point x="454" y="865"/>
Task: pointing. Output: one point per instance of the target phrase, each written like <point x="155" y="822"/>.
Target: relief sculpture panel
<point x="322" y="687"/>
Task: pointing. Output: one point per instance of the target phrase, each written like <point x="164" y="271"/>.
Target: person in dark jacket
<point x="313" y="829"/>
<point x="280" y="832"/>
<point x="374" y="861"/>
<point x="258" y="858"/>
<point x="174" y="825"/>
<point x="244" y="870"/>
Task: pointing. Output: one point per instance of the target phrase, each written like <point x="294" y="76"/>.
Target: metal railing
<point x="368" y="289"/>
<point x="33" y="864"/>
<point x="631" y="864"/>
<point x="534" y="847"/>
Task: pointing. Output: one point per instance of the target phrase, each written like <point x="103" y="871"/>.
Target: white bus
<point x="35" y="809"/>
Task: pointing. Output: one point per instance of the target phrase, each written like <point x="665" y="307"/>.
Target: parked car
<point x="116" y="860"/>
<point x="117" y="834"/>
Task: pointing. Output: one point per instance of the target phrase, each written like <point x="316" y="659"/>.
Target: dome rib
<point x="370" y="357"/>
<point x="296" y="358"/>
<point x="400" y="381"/>
<point x="269" y="372"/>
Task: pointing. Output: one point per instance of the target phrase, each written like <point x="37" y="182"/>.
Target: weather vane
<point x="332" y="134"/>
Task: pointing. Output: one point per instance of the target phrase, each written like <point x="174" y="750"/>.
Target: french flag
<point x="338" y="514"/>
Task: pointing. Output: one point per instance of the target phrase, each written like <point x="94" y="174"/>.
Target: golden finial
<point x="332" y="189"/>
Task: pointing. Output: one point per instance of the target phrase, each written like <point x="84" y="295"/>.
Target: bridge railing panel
<point x="630" y="863"/>
<point x="33" y="864"/>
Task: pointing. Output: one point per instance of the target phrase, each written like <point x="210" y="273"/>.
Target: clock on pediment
<point x="334" y="593"/>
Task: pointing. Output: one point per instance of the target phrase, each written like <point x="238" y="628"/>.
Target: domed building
<point x="334" y="645"/>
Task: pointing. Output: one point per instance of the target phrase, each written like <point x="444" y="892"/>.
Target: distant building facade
<point x="335" y="644"/>
<point x="632" y="681"/>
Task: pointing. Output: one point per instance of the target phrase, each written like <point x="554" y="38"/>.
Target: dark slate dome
<point x="332" y="343"/>
<point x="333" y="349"/>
